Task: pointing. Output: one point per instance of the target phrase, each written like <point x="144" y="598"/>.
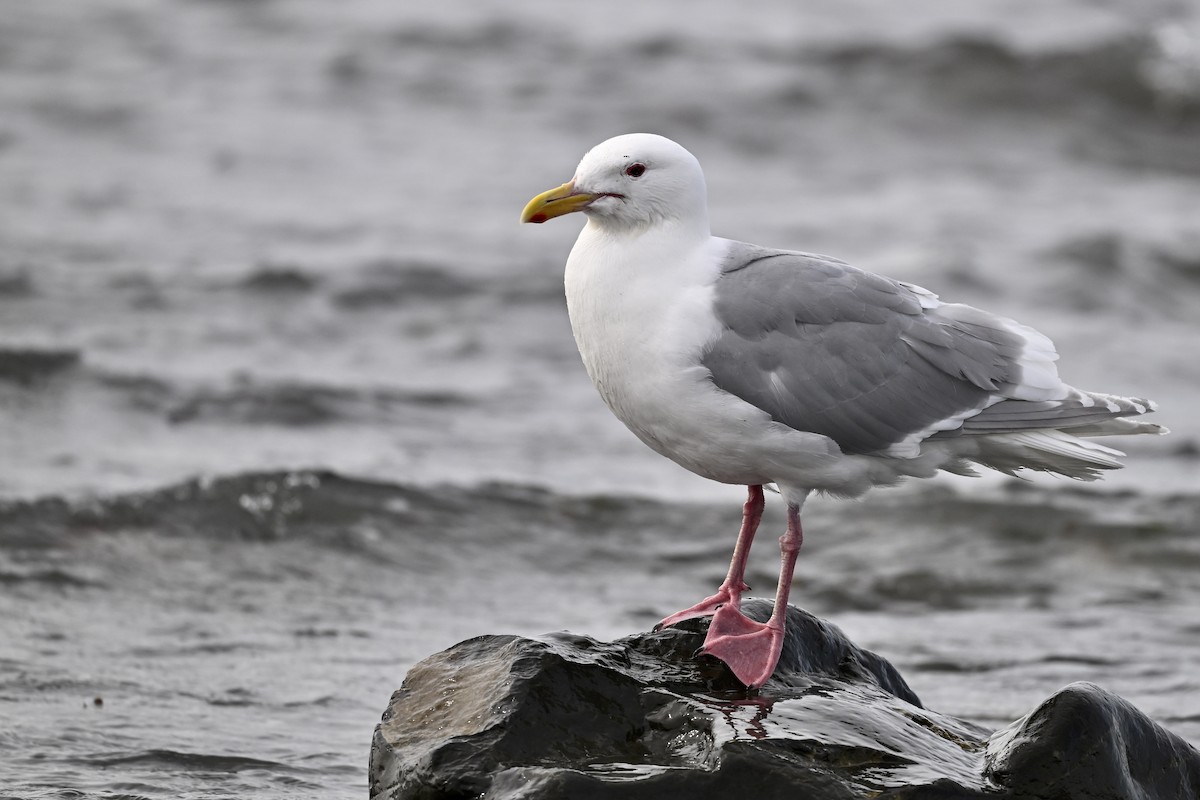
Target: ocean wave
<point x="274" y="278"/>
<point x="490" y="37"/>
<point x="174" y="759"/>
<point x="28" y="365"/>
<point x="308" y="504"/>
<point x="1155" y="69"/>
<point x="52" y="577"/>
<point x="1025" y="545"/>
<point x="297" y="404"/>
<point x="1125" y="73"/>
<point x="1140" y="275"/>
<point x="256" y="507"/>
<point x="389" y="282"/>
<point x="284" y="403"/>
<point x="16" y="282"/>
<point x="139" y="392"/>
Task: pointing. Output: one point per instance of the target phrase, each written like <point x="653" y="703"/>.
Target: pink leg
<point x="730" y="592"/>
<point x="751" y="649"/>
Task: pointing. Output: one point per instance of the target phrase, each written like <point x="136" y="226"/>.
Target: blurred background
<point x="245" y="242"/>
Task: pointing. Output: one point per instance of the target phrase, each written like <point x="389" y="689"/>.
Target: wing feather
<point x="879" y="365"/>
<point x="824" y="347"/>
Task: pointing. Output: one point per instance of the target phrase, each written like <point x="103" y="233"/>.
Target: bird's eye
<point x="635" y="170"/>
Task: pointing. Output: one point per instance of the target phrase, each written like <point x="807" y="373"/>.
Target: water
<point x="244" y="240"/>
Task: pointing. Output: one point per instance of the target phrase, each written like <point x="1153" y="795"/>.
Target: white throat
<point x="641" y="310"/>
<point x="623" y="283"/>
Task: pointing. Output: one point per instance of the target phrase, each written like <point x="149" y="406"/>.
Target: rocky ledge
<point x="566" y="716"/>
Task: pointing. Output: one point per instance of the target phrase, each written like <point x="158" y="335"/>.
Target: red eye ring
<point x="635" y="170"/>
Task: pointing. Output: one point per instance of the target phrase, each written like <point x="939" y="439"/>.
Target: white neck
<point x="626" y="294"/>
<point x="613" y="268"/>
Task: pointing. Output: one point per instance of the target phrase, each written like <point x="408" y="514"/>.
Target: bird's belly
<point x="676" y="411"/>
<point x="642" y="334"/>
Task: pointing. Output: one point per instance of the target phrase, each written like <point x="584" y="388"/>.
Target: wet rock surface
<point x="566" y="716"/>
<point x="1084" y="742"/>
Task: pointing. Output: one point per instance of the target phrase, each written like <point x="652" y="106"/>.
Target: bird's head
<point x="633" y="181"/>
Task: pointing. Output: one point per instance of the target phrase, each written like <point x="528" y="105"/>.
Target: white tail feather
<point x="1047" y="451"/>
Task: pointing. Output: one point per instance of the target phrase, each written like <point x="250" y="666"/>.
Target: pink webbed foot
<point x="750" y="649"/>
<point x="724" y="598"/>
<point x="729" y="593"/>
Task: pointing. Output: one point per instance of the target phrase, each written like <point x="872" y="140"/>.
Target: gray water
<point x="243" y="240"/>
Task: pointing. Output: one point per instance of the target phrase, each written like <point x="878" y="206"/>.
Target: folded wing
<point x="879" y="366"/>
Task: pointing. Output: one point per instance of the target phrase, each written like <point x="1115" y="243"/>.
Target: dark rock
<point x="1084" y="743"/>
<point x="566" y="716"/>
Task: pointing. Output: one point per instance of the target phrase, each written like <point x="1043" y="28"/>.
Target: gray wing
<point x="827" y="348"/>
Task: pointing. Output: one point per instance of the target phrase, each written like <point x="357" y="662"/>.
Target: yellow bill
<point x="556" y="202"/>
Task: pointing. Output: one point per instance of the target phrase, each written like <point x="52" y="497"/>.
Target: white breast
<point x="642" y="315"/>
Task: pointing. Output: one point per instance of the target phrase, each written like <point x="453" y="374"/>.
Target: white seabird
<point x="754" y="366"/>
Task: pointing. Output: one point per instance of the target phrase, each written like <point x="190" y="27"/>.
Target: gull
<point x="754" y="366"/>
